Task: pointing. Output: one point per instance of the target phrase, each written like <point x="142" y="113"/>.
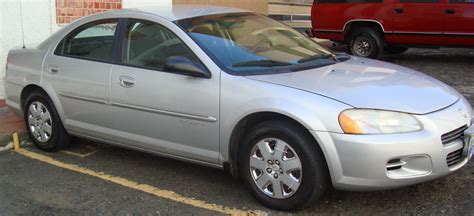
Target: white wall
<point x="38" y="21"/>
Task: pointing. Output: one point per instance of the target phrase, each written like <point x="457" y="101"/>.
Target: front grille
<point x="454" y="157"/>
<point x="453" y="135"/>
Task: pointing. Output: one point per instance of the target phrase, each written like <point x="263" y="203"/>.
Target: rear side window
<point x="348" y="1"/>
<point x="148" y="45"/>
<point x="92" y="41"/>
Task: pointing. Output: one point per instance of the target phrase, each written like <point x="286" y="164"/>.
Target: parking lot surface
<point x="92" y="178"/>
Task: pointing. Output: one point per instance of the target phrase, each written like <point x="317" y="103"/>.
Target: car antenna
<point x="22" y="27"/>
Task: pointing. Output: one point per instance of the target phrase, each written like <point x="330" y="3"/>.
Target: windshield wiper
<point x="317" y="56"/>
<point x="262" y="63"/>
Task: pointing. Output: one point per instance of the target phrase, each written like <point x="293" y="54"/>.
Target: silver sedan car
<point x="235" y="90"/>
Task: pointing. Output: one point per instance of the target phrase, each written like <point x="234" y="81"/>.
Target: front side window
<point x="91" y="41"/>
<point x="244" y="43"/>
<point x="148" y="45"/>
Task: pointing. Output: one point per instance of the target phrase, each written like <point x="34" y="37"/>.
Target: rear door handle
<point x="399" y="10"/>
<point x="450" y="11"/>
<point x="126" y="81"/>
<point x="53" y="68"/>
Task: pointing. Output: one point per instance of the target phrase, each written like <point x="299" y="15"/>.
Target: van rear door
<point x="417" y="22"/>
<point x="459" y="23"/>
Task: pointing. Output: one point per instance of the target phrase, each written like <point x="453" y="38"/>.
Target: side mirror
<point x="183" y="65"/>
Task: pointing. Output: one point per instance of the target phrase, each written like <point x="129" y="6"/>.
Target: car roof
<point x="178" y="12"/>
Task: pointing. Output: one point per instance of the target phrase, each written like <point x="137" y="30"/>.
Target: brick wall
<point x="69" y="10"/>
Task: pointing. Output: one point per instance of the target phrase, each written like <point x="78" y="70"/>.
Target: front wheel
<point x="283" y="166"/>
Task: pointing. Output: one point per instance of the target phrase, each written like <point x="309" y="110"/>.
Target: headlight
<point x="365" y="121"/>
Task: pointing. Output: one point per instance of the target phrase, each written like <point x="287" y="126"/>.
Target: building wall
<point x="69" y="10"/>
<point x="30" y="21"/>
<point x="260" y="6"/>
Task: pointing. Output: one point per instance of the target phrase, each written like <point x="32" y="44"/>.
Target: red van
<point x="372" y="27"/>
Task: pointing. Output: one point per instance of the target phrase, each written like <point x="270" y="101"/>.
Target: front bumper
<point x="373" y="162"/>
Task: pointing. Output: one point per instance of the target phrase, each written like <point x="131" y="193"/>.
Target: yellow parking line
<point x="141" y="187"/>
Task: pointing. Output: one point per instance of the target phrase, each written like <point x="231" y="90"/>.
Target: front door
<point x="418" y="22"/>
<point x="79" y="70"/>
<point x="163" y="111"/>
<point x="459" y="23"/>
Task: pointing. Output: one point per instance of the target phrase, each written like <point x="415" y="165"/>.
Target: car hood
<point x="366" y="83"/>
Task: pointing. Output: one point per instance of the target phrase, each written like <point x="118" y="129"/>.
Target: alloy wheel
<point x="40" y="122"/>
<point x="275" y="168"/>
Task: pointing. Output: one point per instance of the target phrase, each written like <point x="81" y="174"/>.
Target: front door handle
<point x="399" y="10"/>
<point x="126" y="81"/>
<point x="53" y="68"/>
<point x="450" y="11"/>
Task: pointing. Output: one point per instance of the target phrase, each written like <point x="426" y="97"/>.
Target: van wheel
<point x="366" y="42"/>
<point x="283" y="166"/>
<point x="43" y="123"/>
<point x="392" y="49"/>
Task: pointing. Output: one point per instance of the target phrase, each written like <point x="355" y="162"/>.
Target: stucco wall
<point x="38" y="23"/>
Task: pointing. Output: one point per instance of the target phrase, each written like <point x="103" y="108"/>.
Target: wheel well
<point x="243" y="127"/>
<point x="27" y="91"/>
<point x="352" y="26"/>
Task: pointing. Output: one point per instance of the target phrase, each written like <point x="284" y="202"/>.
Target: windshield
<point x="246" y="43"/>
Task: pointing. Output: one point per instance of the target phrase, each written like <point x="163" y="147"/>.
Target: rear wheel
<point x="283" y="166"/>
<point x="43" y="123"/>
<point x="366" y="42"/>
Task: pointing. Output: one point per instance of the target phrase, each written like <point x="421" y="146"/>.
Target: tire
<point x="366" y="42"/>
<point x="46" y="131"/>
<point x="391" y="49"/>
<point x="312" y="173"/>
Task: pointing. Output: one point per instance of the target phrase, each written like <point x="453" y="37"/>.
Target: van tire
<point x="366" y="42"/>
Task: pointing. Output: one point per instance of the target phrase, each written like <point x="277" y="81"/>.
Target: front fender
<point x="314" y="112"/>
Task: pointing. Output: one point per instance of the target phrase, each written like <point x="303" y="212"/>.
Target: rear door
<point x="79" y="70"/>
<point x="459" y="23"/>
<point x="418" y="22"/>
